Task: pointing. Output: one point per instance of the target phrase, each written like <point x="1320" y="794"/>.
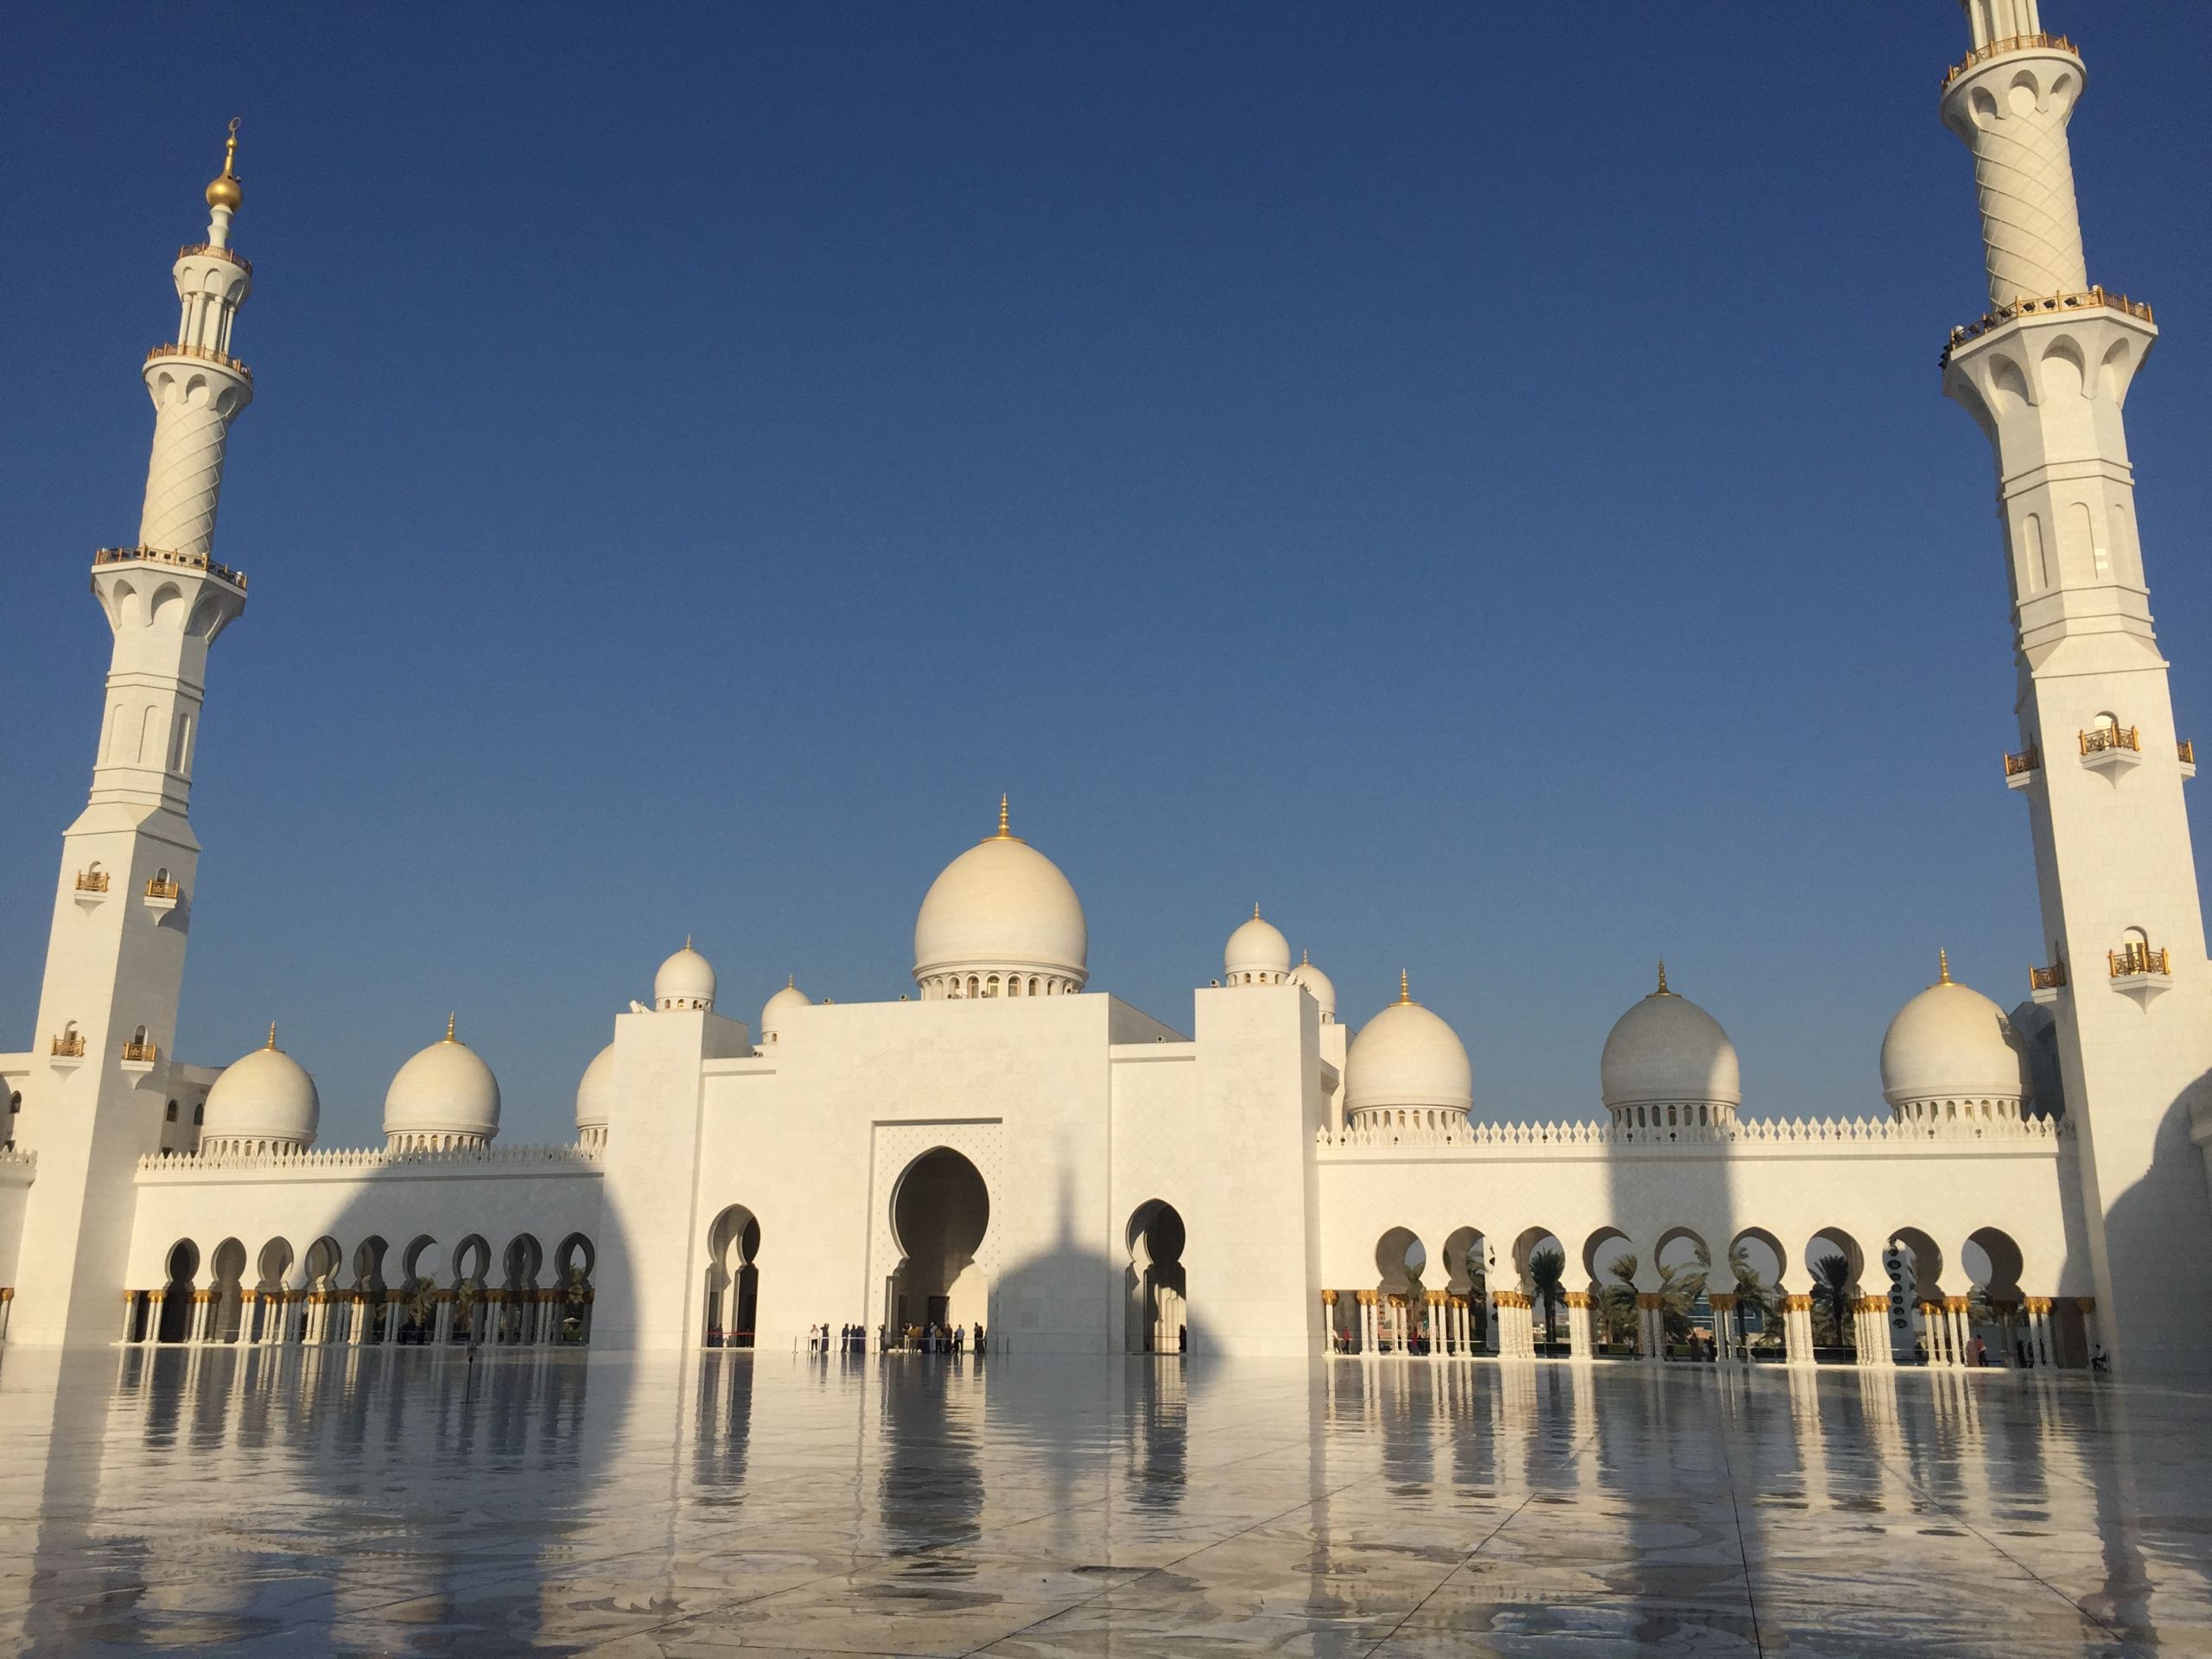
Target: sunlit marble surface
<point x="372" y="1501"/>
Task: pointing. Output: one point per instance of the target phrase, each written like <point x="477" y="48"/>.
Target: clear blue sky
<point x="1471" y="479"/>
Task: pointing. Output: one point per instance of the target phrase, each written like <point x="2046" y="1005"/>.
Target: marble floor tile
<point x="765" y="1505"/>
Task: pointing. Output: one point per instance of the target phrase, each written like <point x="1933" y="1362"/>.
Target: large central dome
<point x="1001" y="921"/>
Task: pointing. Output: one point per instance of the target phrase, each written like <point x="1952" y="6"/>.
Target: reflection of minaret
<point x="115" y="957"/>
<point x="2045" y="374"/>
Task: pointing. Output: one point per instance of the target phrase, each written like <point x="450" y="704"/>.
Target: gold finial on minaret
<point x="222" y="191"/>
<point x="1942" y="966"/>
<point x="1405" y="986"/>
<point x="272" y="1033"/>
<point x="449" y="1036"/>
<point x="1662" y="990"/>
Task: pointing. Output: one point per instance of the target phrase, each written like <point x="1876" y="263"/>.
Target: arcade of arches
<point x="423" y="1294"/>
<point x="1828" y="1302"/>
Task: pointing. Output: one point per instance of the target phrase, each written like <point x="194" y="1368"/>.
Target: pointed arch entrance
<point x="940" y="1210"/>
<point x="1159" y="1314"/>
<point x="733" y="1288"/>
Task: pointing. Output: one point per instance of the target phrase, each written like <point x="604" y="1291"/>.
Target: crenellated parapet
<point x="1777" y="1132"/>
<point x="365" y="1159"/>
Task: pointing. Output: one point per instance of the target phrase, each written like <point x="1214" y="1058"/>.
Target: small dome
<point x="1002" y="906"/>
<point x="1950" y="1043"/>
<point x="595" y="1093"/>
<point x="1405" y="1056"/>
<point x="1257" y="954"/>
<point x="266" y="1095"/>
<point x="446" y="1091"/>
<point x="1668" y="1050"/>
<point x="777" y="1007"/>
<point x="1318" y="986"/>
<point x="686" y="980"/>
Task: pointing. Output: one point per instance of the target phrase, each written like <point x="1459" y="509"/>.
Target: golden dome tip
<point x="223" y="190"/>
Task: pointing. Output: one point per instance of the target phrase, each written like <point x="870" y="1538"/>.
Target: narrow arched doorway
<point x="939" y="1212"/>
<point x="732" y="1287"/>
<point x="1159" y="1311"/>
<point x="178" y="1293"/>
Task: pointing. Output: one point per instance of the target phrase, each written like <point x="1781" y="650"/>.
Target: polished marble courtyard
<point x="397" y="1500"/>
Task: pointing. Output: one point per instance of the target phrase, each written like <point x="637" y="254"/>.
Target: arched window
<point x="198" y="1114"/>
<point x="171" y="1118"/>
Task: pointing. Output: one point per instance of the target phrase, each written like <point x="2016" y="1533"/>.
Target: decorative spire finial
<point x="449" y="1036"/>
<point x="1006" y="832"/>
<point x="687" y="941"/>
<point x="1942" y="966"/>
<point x="1305" y="959"/>
<point x="1256" y="909"/>
<point x="1405" y="986"/>
<point x="222" y="191"/>
<point x="272" y="1033"/>
<point x="791" y="982"/>
<point x="1662" y="990"/>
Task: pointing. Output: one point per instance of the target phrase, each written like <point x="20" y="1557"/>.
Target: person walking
<point x="1980" y="1351"/>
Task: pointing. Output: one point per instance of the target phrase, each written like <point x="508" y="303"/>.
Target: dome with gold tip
<point x="223" y="190"/>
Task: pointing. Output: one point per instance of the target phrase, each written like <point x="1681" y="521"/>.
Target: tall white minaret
<point x="2046" y="374"/>
<point x="97" y="1093"/>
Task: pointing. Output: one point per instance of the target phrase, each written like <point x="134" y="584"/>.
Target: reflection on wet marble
<point x="392" y="1501"/>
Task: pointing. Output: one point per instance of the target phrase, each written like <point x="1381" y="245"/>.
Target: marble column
<point x="1797" y="1330"/>
<point x="129" y="1307"/>
<point x="1328" y="1322"/>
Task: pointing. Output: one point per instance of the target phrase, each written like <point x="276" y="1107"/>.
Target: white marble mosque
<point x="1013" y="1148"/>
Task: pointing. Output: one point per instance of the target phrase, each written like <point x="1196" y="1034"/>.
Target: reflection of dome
<point x="264" y="1100"/>
<point x="1667" y="1055"/>
<point x="777" y="1007"/>
<point x="1318" y="986"/>
<point x="686" y="980"/>
<point x="595" y="1099"/>
<point x="1406" y="1061"/>
<point x="1257" y="954"/>
<point x="445" y="1096"/>
<point x="1000" y="921"/>
<point x="1950" y="1054"/>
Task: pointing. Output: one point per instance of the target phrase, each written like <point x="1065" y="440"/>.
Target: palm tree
<point x="1831" y="1285"/>
<point x="1753" y="1292"/>
<point x="1547" y="1272"/>
<point x="1620" y="1299"/>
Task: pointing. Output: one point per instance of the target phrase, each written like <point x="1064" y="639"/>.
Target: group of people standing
<point x="930" y="1338"/>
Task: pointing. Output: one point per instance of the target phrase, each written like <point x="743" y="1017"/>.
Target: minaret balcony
<point x="161" y="556"/>
<point x="2089" y="300"/>
<point x="2045" y="983"/>
<point x="2037" y="42"/>
<point x="2112" y="749"/>
<point x="208" y="250"/>
<point x="2022" y="769"/>
<point x="66" y="1052"/>
<point x="2141" y="971"/>
<point x="2187" y="751"/>
<point x="92" y="887"/>
<point x="220" y="359"/>
<point x="162" y="893"/>
<point x="139" y="1058"/>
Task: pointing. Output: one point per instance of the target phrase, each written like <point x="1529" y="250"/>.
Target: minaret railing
<point x="162" y="555"/>
<point x="2100" y="739"/>
<point x="2090" y="298"/>
<point x="222" y="359"/>
<point x="2131" y="959"/>
<point x="2009" y="43"/>
<point x="2028" y="759"/>
<point x="214" y="253"/>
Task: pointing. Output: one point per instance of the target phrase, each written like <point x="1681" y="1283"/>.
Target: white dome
<point x="1257" y="953"/>
<point x="595" y="1093"/>
<point x="1318" y="985"/>
<point x="686" y="980"/>
<point x="1002" y="906"/>
<point x="777" y="1007"/>
<point x="445" y="1090"/>
<point x="1406" y="1056"/>
<point x="266" y="1095"/>
<point x="1668" y="1050"/>
<point x="1950" y="1043"/>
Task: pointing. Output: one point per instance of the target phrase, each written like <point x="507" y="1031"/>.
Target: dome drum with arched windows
<point x="1667" y="1066"/>
<point x="1000" y="921"/>
<point x="778" y="1009"/>
<point x="1407" y="1070"/>
<point x="595" y="1099"/>
<point x="685" y="983"/>
<point x="264" y="1102"/>
<point x="443" y="1100"/>
<point x="1257" y="954"/>
<point x="1951" y="1056"/>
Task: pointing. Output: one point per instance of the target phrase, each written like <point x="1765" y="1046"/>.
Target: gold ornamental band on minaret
<point x="223" y="190"/>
